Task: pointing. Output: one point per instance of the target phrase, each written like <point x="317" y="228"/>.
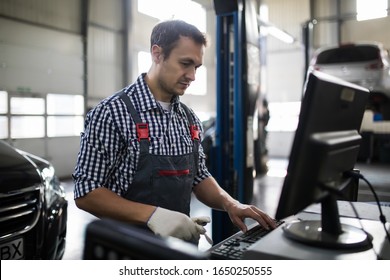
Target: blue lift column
<point x="236" y="101"/>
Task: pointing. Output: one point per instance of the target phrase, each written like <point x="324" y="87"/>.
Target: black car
<point x="33" y="207"/>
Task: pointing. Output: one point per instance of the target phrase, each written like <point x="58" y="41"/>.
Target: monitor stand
<point x="328" y="232"/>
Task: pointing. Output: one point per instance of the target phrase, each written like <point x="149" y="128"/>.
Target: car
<point x="364" y="63"/>
<point x="33" y="207"/>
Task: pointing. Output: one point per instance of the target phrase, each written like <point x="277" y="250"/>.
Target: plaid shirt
<point x="109" y="149"/>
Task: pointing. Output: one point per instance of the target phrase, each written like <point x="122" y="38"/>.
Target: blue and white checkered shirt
<point x="109" y="147"/>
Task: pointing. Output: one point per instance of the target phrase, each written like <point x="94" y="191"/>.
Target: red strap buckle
<point x="194" y="132"/>
<point x="142" y="131"/>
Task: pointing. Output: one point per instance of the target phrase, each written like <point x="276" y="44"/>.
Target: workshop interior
<point x="294" y="100"/>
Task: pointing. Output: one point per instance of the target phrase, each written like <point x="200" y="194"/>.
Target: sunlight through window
<point x="65" y="114"/>
<point x="186" y="10"/>
<point x="3" y="102"/>
<point x="144" y="62"/>
<point x="368" y="9"/>
<point x="284" y="116"/>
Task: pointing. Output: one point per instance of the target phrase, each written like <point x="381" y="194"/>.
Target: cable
<point x="382" y="217"/>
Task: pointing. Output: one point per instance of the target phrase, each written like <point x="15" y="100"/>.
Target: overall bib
<point x="161" y="180"/>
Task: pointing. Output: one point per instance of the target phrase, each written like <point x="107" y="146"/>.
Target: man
<point x="140" y="156"/>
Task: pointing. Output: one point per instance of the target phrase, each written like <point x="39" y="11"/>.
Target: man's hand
<point x="238" y="212"/>
<point x="202" y="221"/>
<point x="165" y="223"/>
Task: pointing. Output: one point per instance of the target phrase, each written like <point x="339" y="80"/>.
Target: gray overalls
<point x="161" y="180"/>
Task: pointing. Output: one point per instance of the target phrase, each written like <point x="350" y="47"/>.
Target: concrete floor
<point x="266" y="196"/>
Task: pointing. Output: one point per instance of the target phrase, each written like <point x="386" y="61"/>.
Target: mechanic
<point x="140" y="156"/>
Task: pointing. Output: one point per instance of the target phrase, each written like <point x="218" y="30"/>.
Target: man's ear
<point x="157" y="54"/>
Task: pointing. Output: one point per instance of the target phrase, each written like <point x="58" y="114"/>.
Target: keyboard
<point x="234" y="247"/>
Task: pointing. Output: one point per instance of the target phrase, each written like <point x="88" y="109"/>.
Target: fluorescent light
<point x="269" y="28"/>
<point x="280" y="34"/>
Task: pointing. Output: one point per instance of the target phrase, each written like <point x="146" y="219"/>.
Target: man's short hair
<point x="166" y="34"/>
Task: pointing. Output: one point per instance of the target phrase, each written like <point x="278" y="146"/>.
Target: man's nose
<point x="190" y="75"/>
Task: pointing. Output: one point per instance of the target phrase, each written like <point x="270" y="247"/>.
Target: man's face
<point x="176" y="72"/>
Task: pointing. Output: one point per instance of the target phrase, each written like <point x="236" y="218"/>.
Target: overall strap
<point x="142" y="128"/>
<point x="129" y="105"/>
<point x="195" y="130"/>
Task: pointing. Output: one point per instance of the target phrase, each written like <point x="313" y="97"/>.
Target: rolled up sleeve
<point x="99" y="149"/>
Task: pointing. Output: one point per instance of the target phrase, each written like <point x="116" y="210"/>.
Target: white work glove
<point x="203" y="221"/>
<point x="165" y="223"/>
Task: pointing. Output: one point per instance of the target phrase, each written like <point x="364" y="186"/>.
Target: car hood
<point x="17" y="170"/>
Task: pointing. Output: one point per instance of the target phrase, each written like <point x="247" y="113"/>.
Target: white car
<point x="366" y="64"/>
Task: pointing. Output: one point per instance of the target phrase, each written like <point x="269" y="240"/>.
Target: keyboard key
<point x="234" y="246"/>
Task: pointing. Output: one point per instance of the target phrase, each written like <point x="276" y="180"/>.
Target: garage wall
<point x="36" y="59"/>
<point x="105" y="49"/>
<point x="337" y="24"/>
<point x="372" y="30"/>
<point x="57" y="14"/>
<point x="41" y="51"/>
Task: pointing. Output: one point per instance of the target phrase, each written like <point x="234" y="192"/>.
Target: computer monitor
<point x="108" y="239"/>
<point x="324" y="150"/>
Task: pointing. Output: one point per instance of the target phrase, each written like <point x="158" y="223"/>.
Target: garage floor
<point x="266" y="195"/>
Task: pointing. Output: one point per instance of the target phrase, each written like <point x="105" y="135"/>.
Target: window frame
<point x="9" y="115"/>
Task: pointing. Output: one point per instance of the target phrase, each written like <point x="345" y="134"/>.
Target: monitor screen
<point x="324" y="150"/>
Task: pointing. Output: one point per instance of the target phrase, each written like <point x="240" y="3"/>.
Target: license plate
<point x="12" y="250"/>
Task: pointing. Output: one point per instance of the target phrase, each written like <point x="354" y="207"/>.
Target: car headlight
<point x="53" y="188"/>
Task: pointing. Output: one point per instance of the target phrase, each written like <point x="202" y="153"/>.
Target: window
<point x="186" y="10"/>
<point x="64" y="125"/>
<point x="50" y="115"/>
<point x="27" y="126"/>
<point x="144" y="62"/>
<point x="58" y="104"/>
<point x="65" y="114"/>
<point x="3" y="127"/>
<point x="368" y="9"/>
<point x="199" y="86"/>
<point x="3" y="112"/>
<point x="283" y="116"/>
<point x="3" y="102"/>
<point x="27" y="120"/>
<point x="27" y="106"/>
